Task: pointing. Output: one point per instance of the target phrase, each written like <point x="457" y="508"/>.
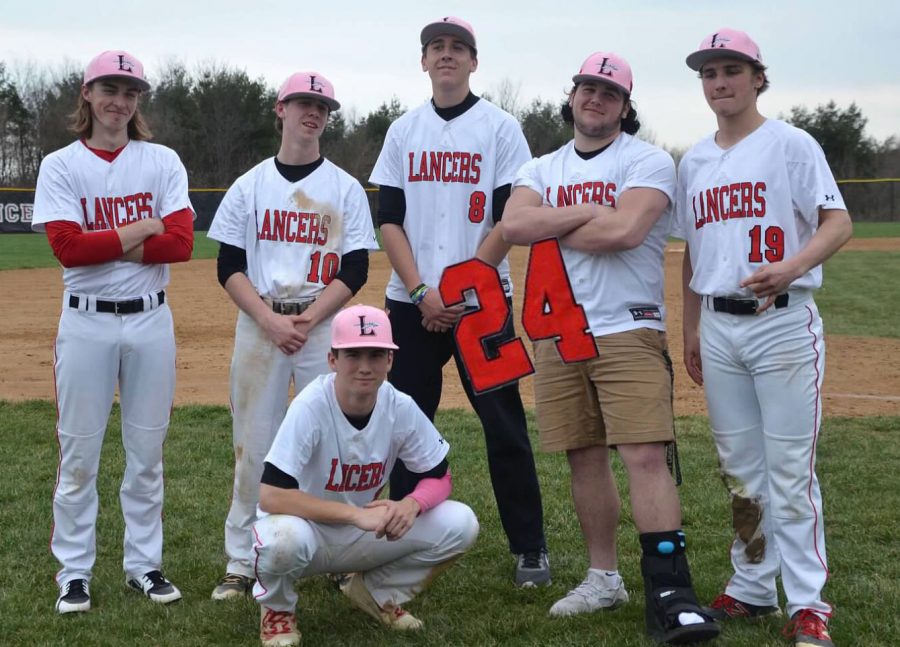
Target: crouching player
<point x="319" y="511"/>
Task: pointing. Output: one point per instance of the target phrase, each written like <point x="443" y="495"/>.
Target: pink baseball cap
<point x="607" y="68"/>
<point x="725" y="42"/>
<point x="451" y="25"/>
<point x="311" y="85"/>
<point x="361" y="327"/>
<point x="116" y="63"/>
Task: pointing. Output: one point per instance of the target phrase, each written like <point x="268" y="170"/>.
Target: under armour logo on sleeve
<point x="829" y="198"/>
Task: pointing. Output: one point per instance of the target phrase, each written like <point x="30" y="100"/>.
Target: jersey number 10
<point x="329" y="267"/>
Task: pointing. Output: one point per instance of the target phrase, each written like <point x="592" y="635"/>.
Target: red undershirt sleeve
<point x="176" y="244"/>
<point x="76" y="248"/>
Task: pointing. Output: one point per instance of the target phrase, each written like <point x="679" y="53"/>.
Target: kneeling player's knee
<point x="462" y="525"/>
<point x="283" y="543"/>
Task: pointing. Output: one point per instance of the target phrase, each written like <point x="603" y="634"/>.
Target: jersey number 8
<point x="476" y="206"/>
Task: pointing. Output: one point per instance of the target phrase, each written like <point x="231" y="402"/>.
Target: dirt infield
<point x="862" y="378"/>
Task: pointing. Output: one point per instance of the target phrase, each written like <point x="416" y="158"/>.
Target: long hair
<point x="629" y="123"/>
<point x="81" y="122"/>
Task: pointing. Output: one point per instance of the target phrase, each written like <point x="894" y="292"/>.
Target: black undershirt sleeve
<point x="354" y="270"/>
<point x="231" y="260"/>
<point x="391" y="206"/>
<point x="501" y="195"/>
<point x="436" y="472"/>
<point x="276" y="478"/>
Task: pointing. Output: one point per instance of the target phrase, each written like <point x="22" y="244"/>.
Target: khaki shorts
<point x="623" y="396"/>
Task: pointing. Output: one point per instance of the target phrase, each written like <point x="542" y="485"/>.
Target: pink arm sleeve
<point x="431" y="492"/>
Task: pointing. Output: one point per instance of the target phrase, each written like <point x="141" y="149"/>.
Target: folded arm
<point x="626" y="226"/>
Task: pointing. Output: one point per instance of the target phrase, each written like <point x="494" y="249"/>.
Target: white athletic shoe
<point x="155" y="586"/>
<point x="74" y="597"/>
<point x="595" y="592"/>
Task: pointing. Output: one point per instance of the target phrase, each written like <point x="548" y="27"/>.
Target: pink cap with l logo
<point x="607" y="68"/>
<point x="361" y="327"/>
<point x="728" y="43"/>
<point x="309" y="85"/>
<point x="118" y="64"/>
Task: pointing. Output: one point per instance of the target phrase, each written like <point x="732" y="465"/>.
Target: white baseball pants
<point x="260" y="380"/>
<point x="288" y="548"/>
<point x="763" y="379"/>
<point x="94" y="352"/>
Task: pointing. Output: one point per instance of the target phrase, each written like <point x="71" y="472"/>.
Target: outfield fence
<point x="869" y="200"/>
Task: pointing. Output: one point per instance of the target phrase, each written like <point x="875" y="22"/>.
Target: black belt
<point x="127" y="307"/>
<point x="744" y="306"/>
<point x="290" y="307"/>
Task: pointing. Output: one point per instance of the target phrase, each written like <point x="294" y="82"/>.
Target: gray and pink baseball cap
<point x="606" y="67"/>
<point x="309" y="85"/>
<point x="449" y="25"/>
<point x="116" y="63"/>
<point x="362" y="327"/>
<point x="725" y="42"/>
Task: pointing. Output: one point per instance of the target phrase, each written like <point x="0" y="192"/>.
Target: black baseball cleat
<point x="74" y="597"/>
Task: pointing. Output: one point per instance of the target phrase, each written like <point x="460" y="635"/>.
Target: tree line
<point x="220" y="121"/>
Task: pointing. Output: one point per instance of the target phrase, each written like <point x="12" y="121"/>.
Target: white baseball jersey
<point x="756" y="202"/>
<point x="76" y="185"/>
<point x="294" y="233"/>
<point x="332" y="459"/>
<point x="623" y="290"/>
<point x="448" y="171"/>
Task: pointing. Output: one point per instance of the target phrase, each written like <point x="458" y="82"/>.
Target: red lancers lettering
<point x="117" y="211"/>
<point x="583" y="193"/>
<point x="354" y="478"/>
<point x="728" y="202"/>
<point x="308" y="228"/>
<point x="444" y="166"/>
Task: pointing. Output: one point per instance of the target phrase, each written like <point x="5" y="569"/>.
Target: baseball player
<point x="116" y="211"/>
<point x="607" y="197"/>
<point x="295" y="231"/>
<point x="760" y="212"/>
<point x="444" y="175"/>
<point x="319" y="506"/>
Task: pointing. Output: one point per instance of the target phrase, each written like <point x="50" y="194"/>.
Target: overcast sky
<point x="816" y="50"/>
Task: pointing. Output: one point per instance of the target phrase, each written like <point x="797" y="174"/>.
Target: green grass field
<point x="475" y="602"/>
<point x="472" y="604"/>
<point x="860" y="294"/>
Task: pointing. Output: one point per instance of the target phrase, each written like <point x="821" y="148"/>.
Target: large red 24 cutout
<point x="549" y="312"/>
